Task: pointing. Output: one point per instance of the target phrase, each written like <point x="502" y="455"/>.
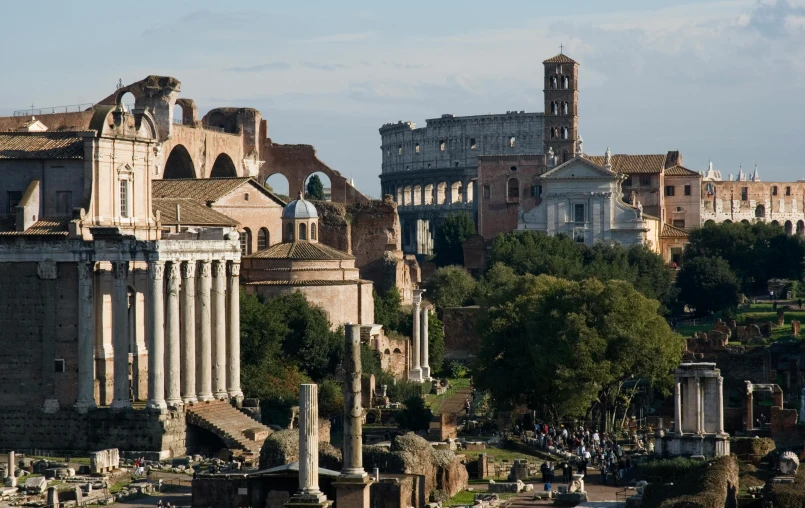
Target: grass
<point x="467" y="498"/>
<point x="118" y="486"/>
<point x="760" y="312"/>
<point x="434" y="402"/>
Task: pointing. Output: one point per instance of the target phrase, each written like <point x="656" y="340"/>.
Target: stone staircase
<point x="237" y="430"/>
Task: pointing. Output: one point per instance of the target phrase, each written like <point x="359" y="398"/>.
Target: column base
<point x="352" y="491"/>
<point x="10" y="482"/>
<point x="205" y="397"/>
<point x="236" y="396"/>
<point x="83" y="406"/>
<point x="51" y="406"/>
<point x="426" y="372"/>
<point x="308" y="500"/>
<point x="221" y="395"/>
<point x="156" y="405"/>
<point x="415" y="374"/>
<point x="189" y="400"/>
<point x="174" y="403"/>
<point x="120" y="404"/>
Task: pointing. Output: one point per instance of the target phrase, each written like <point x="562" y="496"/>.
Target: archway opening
<point x="406" y="197"/>
<point x="800" y="228"/>
<point x="263" y="239"/>
<point x="178" y="114"/>
<point x="429" y="195"/>
<point x="223" y="167"/>
<point x="179" y="164"/>
<point x="441" y="193"/>
<point x="318" y="187"/>
<point x="417" y="195"/>
<point x="456" y="192"/>
<point x="709" y="222"/>
<point x="788" y="227"/>
<point x="128" y="100"/>
<point x="278" y="184"/>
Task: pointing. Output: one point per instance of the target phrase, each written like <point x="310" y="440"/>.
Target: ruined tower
<point x="561" y="106"/>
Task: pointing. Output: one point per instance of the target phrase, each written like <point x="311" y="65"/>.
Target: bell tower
<point x="561" y="106"/>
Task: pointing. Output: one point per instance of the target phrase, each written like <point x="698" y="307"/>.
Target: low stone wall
<point x="134" y="430"/>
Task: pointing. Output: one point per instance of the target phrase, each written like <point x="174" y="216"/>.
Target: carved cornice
<point x="188" y="269"/>
<point x="120" y="269"/>
<point x="156" y="270"/>
<point x="204" y="269"/>
<point x="234" y="269"/>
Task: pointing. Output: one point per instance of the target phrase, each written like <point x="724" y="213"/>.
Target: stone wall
<point x="342" y="301"/>
<point x="506" y="187"/>
<point x="461" y="341"/>
<point x="132" y="430"/>
<point x="779" y="202"/>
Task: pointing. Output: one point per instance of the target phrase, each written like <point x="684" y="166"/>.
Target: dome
<point x="300" y="209"/>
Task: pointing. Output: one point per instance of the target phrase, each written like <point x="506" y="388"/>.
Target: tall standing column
<point x="12" y="469"/>
<point x="204" y="365"/>
<point x="678" y="406"/>
<point x="156" y="332"/>
<point x="423" y="334"/>
<point x="218" y="305"/>
<point x="720" y="408"/>
<point x="120" y="334"/>
<point x="309" y="492"/>
<point x="173" y="367"/>
<point x="86" y="338"/>
<point x="188" y="332"/>
<point x="699" y="409"/>
<point x="750" y="417"/>
<point x="233" y="307"/>
<point x="416" y="370"/>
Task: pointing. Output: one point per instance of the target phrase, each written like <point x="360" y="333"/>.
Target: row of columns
<point x="420" y="369"/>
<point x="193" y="324"/>
<point x="402" y="197"/>
<point x="694" y="399"/>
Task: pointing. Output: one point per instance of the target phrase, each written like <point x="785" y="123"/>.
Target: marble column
<point x="156" y="333"/>
<point x="12" y="469"/>
<point x="218" y="306"/>
<point x="678" y="406"/>
<point x="309" y="492"/>
<point x="86" y="338"/>
<point x="416" y="370"/>
<point x="423" y="335"/>
<point x="204" y="335"/>
<point x="750" y="417"/>
<point x="172" y="338"/>
<point x="233" y="308"/>
<point x="120" y="334"/>
<point x="699" y="408"/>
<point x="720" y="408"/>
<point x="353" y="411"/>
<point x="188" y="327"/>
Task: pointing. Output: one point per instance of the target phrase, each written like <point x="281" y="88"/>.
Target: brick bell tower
<point x="561" y="106"/>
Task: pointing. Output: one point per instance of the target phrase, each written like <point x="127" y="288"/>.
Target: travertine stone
<point x="423" y="322"/>
<point x="233" y="308"/>
<point x="188" y="327"/>
<point x="416" y="369"/>
<point x="86" y="338"/>
<point x="120" y="335"/>
<point x="204" y="338"/>
<point x="219" y="329"/>
<point x="353" y="412"/>
<point x="309" y="492"/>
<point x="172" y="349"/>
<point x="156" y="330"/>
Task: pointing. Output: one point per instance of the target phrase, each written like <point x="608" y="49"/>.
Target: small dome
<point x="300" y="209"/>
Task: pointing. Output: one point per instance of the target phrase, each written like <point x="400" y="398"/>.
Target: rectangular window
<point x="578" y="213"/>
<point x="64" y="202"/>
<point x="14" y="198"/>
<point x="669" y="190"/>
<point x="744" y="193"/>
<point x="536" y="191"/>
<point x="687" y="190"/>
<point x="59" y="366"/>
<point x="399" y="149"/>
<point x="645" y="181"/>
<point x="487" y="192"/>
<point x="628" y="181"/>
<point x="679" y="223"/>
<point x="773" y="190"/>
<point x="473" y="146"/>
<point x="124" y="198"/>
<point x="416" y="148"/>
<point x="441" y="145"/>
<point x="788" y="191"/>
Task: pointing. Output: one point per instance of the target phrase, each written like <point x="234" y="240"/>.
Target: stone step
<point x="227" y="422"/>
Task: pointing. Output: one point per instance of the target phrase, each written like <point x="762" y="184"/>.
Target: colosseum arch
<point x="179" y="164"/>
<point x="223" y="167"/>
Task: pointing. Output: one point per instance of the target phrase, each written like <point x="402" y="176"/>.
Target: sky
<point x="716" y="80"/>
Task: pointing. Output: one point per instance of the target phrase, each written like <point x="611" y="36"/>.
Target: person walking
<point x="603" y="473"/>
<point x="567" y="471"/>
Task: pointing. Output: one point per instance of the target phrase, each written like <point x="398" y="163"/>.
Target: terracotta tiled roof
<point x="560" y="58"/>
<point x="632" y="164"/>
<point x="42" y="146"/>
<point x="205" y="189"/>
<point x="680" y="171"/>
<point x="192" y="213"/>
<point x="673" y="231"/>
<point x="301" y="251"/>
<point x="45" y="226"/>
<point x="323" y="282"/>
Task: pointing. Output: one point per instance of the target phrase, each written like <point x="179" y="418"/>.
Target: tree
<point x="707" y="284"/>
<point x="416" y="416"/>
<point x="315" y="189"/>
<point x="566" y="348"/>
<point x="449" y="237"/>
<point x="435" y="342"/>
<point x="450" y="286"/>
<point x="534" y="253"/>
<point x="331" y="398"/>
<point x="388" y="309"/>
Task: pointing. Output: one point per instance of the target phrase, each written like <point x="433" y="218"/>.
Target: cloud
<point x="270" y="66"/>
<point x="345" y="37"/>
<point x="197" y="22"/>
<point x="322" y="67"/>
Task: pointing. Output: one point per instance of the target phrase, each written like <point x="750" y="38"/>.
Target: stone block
<point x="795" y="326"/>
<point x="104" y="460"/>
<point x="780" y="318"/>
<point x="256" y="434"/>
<point x="36" y="485"/>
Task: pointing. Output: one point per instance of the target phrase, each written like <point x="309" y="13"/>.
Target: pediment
<point x="579" y="167"/>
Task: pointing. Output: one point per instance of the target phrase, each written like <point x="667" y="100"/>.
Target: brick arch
<point x="223" y="167"/>
<point x="179" y="164"/>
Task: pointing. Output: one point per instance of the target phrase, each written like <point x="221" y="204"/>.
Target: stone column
<point x="233" y="307"/>
<point x="448" y="192"/>
<point x="720" y="408"/>
<point x="422" y="193"/>
<point x="11" y="470"/>
<point x="308" y="493"/>
<point x="465" y="193"/>
<point x="172" y="349"/>
<point x="156" y="332"/>
<point x="699" y="409"/>
<point x="86" y="338"/>
<point x="218" y="305"/>
<point x="204" y="337"/>
<point x="188" y="327"/>
<point x="120" y="334"/>
<point x="423" y="334"/>
<point x="353" y="411"/>
<point x="416" y="371"/>
<point x="750" y="418"/>
<point x="678" y="406"/>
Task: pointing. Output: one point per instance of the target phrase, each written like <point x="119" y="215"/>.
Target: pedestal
<point x="352" y="492"/>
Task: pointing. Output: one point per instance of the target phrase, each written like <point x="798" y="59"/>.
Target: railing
<point x="73" y="108"/>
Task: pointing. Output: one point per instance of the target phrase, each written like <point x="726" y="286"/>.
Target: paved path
<point x="455" y="403"/>
<point x="599" y="496"/>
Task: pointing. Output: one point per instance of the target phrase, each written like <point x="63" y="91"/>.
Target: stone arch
<point x="397" y="351"/>
<point x="727" y="221"/>
<point x="441" y="193"/>
<point x="325" y="182"/>
<point x="709" y="222"/>
<point x="760" y="211"/>
<point x="788" y="227"/>
<point x="800" y="228"/>
<point x="513" y="188"/>
<point x="745" y="221"/>
<point x="189" y="112"/>
<point x="263" y="239"/>
<point x="406" y="196"/>
<point x="399" y="195"/>
<point x="126" y="98"/>
<point x="429" y="194"/>
<point x="179" y="164"/>
<point x="278" y="184"/>
<point x="417" y="200"/>
<point x="775" y="223"/>
<point x="456" y="191"/>
<point x="223" y="167"/>
<point x="387" y="352"/>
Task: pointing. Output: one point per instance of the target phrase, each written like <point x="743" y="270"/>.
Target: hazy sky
<point x="720" y="80"/>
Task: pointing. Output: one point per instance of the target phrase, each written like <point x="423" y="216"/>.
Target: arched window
<point x="513" y="191"/>
<point x="313" y="231"/>
<point x="511" y="142"/>
<point x="262" y="239"/>
<point x="303" y="231"/>
<point x="245" y="242"/>
<point x="289" y="236"/>
<point x="565" y="108"/>
<point x="760" y="211"/>
<point x="566" y="83"/>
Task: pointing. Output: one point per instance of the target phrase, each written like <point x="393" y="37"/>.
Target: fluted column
<point x="423" y="335"/>
<point x="720" y="408"/>
<point x="309" y="491"/>
<point x="416" y="370"/>
<point x="120" y="334"/>
<point x="233" y="307"/>
<point x="204" y="342"/>
<point x="699" y="408"/>
<point x="188" y="327"/>
<point x="172" y="350"/>
<point x="353" y="409"/>
<point x="678" y="406"/>
<point x="156" y="332"/>
<point x="218" y="306"/>
<point x="86" y="338"/>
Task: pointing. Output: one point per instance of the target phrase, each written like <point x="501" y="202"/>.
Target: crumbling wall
<point x="282" y="447"/>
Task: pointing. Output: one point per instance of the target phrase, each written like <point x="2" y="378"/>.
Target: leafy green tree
<point x="331" y="398"/>
<point x="707" y="284"/>
<point x="497" y="281"/>
<point x="370" y="360"/>
<point x="435" y="342"/>
<point x="388" y="309"/>
<point x="450" y="286"/>
<point x="563" y="347"/>
<point x="315" y="189"/>
<point x="537" y="254"/>
<point x="416" y="416"/>
<point x="449" y="237"/>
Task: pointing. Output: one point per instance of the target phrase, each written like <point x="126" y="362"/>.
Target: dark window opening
<point x="59" y="367"/>
<point x="514" y="189"/>
<point x="669" y="190"/>
<point x="645" y="181"/>
<point x="744" y="193"/>
<point x="14" y="198"/>
<point x="788" y="191"/>
<point x="487" y="192"/>
<point x="679" y="223"/>
<point x="578" y="213"/>
<point x="473" y="146"/>
<point x="687" y="190"/>
<point x="773" y="190"/>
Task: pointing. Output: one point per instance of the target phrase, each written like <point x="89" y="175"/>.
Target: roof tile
<point x="673" y="231"/>
<point x="192" y="213"/>
<point x="300" y="251"/>
<point x="41" y="146"/>
<point x="680" y="171"/>
<point x="204" y="189"/>
<point x="632" y="164"/>
<point x="560" y="58"/>
<point x="45" y="226"/>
